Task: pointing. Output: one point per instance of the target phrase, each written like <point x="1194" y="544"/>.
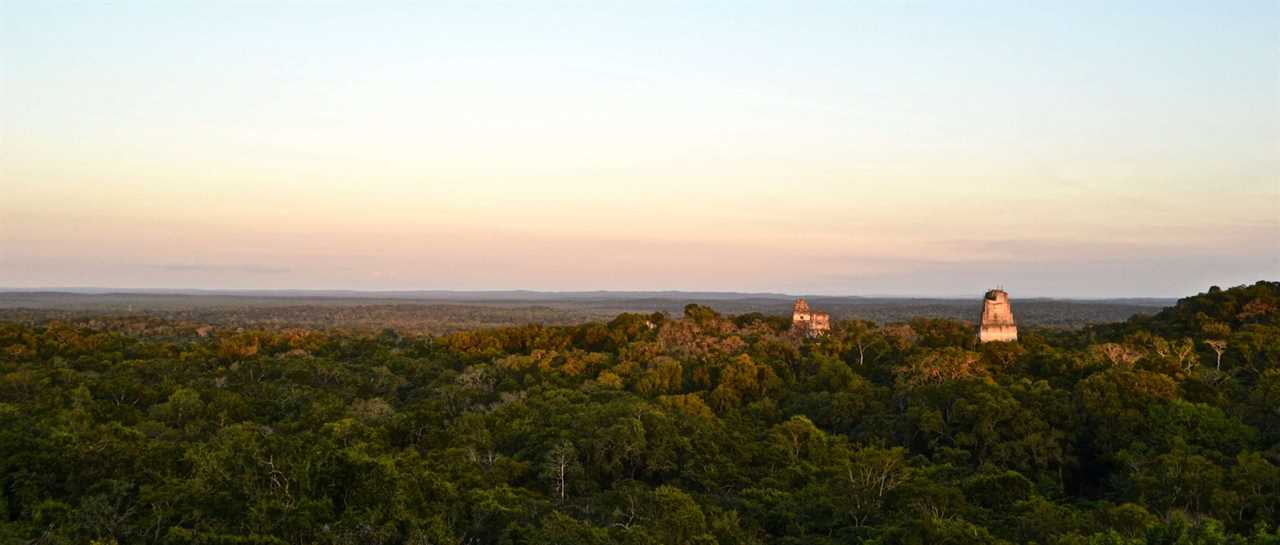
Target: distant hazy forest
<point x="699" y="426"/>
<point x="418" y="315"/>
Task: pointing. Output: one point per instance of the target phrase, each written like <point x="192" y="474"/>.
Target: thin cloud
<point x="249" y="269"/>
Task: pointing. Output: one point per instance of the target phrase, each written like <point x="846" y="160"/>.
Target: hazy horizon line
<point x="332" y="292"/>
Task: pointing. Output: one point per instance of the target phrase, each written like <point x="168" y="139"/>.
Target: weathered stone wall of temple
<point x="997" y="318"/>
<point x="807" y="322"/>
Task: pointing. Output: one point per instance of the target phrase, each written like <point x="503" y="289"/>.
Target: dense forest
<point x="701" y="428"/>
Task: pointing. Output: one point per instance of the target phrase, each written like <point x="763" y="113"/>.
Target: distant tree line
<point x="183" y="314"/>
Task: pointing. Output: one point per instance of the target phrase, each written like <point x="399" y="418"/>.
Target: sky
<point x="1071" y="149"/>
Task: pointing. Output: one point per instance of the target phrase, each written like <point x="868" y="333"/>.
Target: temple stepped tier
<point x="807" y="322"/>
<point x="997" y="318"/>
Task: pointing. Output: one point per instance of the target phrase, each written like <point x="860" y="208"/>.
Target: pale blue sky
<point x="1074" y="149"/>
